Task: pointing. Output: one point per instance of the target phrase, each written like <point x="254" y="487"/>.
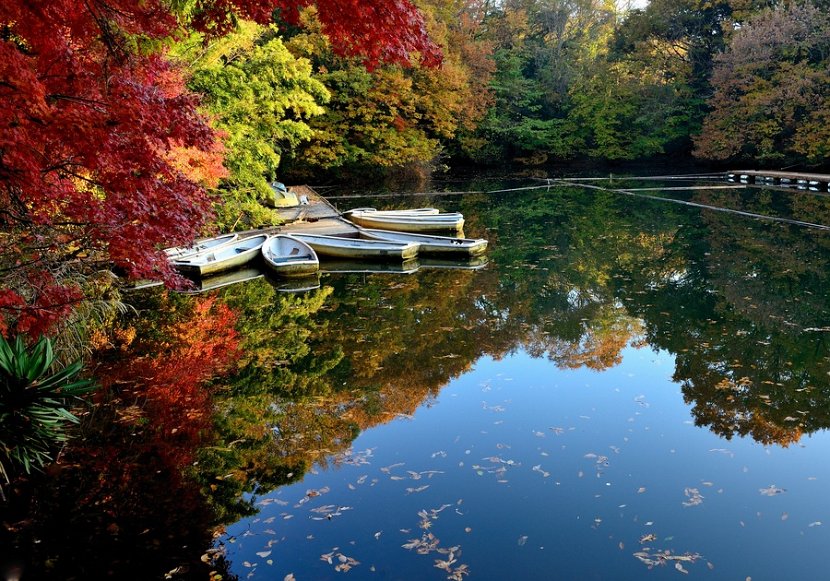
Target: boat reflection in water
<point x="356" y="266"/>
<point x="242" y="275"/>
<point x="475" y="263"/>
<point x="209" y="283"/>
<point x="296" y="285"/>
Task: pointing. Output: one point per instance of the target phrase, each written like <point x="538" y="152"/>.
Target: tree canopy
<point x="104" y="152"/>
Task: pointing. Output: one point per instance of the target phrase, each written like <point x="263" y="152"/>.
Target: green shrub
<point x="34" y="402"/>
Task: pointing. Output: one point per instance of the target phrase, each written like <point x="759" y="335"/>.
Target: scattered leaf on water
<point x="694" y="496"/>
<point x="772" y="490"/>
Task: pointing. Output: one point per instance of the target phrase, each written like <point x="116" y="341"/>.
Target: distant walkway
<point x="807" y="180"/>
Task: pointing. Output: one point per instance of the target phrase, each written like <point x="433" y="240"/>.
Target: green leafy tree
<point x="261" y="97"/>
<point x="623" y="112"/>
<point x="544" y="49"/>
<point x="385" y="119"/>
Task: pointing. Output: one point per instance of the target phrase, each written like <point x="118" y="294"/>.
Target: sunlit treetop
<point x="377" y="30"/>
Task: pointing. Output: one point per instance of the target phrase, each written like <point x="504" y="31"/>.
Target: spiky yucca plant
<point x="34" y="402"/>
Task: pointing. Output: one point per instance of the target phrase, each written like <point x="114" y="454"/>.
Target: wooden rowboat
<point x="178" y="252"/>
<point x="358" y="248"/>
<point x="435" y="245"/>
<point x="223" y="258"/>
<point x="446" y="221"/>
<point x="290" y="257"/>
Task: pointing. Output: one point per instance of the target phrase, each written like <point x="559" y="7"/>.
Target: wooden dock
<point x="314" y="215"/>
<point x="317" y="216"/>
<point x="800" y="180"/>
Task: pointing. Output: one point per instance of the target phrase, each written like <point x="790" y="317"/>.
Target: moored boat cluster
<point x="381" y="236"/>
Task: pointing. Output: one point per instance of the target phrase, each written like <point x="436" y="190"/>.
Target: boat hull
<point x="357" y="248"/>
<point x="205" y="245"/>
<point x="226" y="258"/>
<point x="290" y="257"/>
<point x="432" y="245"/>
<point x="411" y="223"/>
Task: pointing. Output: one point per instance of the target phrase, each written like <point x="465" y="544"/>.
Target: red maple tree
<point x="90" y="109"/>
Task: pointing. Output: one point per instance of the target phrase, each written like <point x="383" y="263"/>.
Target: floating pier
<point x="798" y="180"/>
<point x="314" y="215"/>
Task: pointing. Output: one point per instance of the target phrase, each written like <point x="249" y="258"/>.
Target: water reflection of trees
<point x="118" y="503"/>
<point x="729" y="297"/>
<point x="213" y="400"/>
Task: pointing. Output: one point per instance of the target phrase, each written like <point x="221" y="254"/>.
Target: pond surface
<point x="627" y="388"/>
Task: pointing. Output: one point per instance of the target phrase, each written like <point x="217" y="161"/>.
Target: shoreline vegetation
<point x="231" y="102"/>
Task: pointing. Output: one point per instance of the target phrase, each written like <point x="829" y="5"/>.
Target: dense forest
<point x="185" y="111"/>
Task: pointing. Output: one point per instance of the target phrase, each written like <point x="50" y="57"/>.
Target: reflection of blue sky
<point x="552" y="474"/>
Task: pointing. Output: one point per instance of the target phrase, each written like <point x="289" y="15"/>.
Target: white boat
<point x="431" y="244"/>
<point x="223" y="258"/>
<point x="342" y="247"/>
<point x="178" y="252"/>
<point x="445" y="221"/>
<point x="290" y="257"/>
<point x="408" y="212"/>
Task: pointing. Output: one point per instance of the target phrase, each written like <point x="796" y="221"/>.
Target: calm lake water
<point x="626" y="388"/>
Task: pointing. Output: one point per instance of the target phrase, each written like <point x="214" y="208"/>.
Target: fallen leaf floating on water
<point x="289" y="577"/>
<point x="694" y="496"/>
<point x="419" y="489"/>
<point x="649" y="538"/>
<point x="263" y="554"/>
<point x="723" y="451"/>
<point x="662" y="557"/>
<point x="772" y="490"/>
<point x="429" y="543"/>
<point x="344" y="563"/>
<point x="538" y="468"/>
